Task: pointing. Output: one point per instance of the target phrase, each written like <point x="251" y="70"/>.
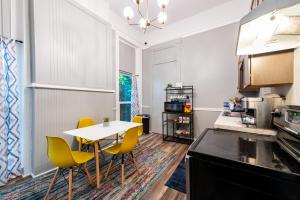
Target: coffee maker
<point x="257" y="111"/>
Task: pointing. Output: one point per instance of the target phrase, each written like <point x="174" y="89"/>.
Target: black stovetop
<point x="246" y="148"/>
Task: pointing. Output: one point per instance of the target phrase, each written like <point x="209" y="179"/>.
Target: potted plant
<point x="106" y="122"/>
<point x="169" y="85"/>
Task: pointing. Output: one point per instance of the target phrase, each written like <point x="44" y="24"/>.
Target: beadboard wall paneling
<point x="5" y="18"/>
<point x="127" y="58"/>
<point x="72" y="47"/>
<point x="59" y="110"/>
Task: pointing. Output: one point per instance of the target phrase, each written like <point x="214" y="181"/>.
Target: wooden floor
<point x="159" y="191"/>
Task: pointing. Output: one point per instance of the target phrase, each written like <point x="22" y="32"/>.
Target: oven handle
<point x="290" y="130"/>
<point x="287" y="147"/>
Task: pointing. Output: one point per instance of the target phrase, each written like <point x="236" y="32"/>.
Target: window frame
<point x="124" y="102"/>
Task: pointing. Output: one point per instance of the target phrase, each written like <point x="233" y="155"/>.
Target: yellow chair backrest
<point x="130" y="141"/>
<point x="139" y="119"/>
<point x="59" y="152"/>
<point x="84" y="122"/>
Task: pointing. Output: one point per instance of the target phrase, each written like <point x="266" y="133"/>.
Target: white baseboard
<point x="34" y="176"/>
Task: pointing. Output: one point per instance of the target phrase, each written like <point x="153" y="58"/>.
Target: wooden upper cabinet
<point x="265" y="70"/>
<point x="272" y="69"/>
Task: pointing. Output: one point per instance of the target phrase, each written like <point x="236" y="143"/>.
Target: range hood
<point x="273" y="26"/>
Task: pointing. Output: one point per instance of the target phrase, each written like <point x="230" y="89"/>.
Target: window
<point x="125" y="83"/>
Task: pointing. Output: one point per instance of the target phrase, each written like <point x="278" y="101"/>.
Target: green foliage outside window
<point x="125" y="82"/>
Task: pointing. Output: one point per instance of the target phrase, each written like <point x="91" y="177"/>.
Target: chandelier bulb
<point x="128" y="13"/>
<point x="162" y="18"/>
<point x="138" y="2"/>
<point x="163" y="3"/>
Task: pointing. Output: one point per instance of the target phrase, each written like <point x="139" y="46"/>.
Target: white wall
<point x="293" y="96"/>
<point x="205" y="60"/>
<point x="292" y="92"/>
<point x="102" y="9"/>
<point x="224" y="14"/>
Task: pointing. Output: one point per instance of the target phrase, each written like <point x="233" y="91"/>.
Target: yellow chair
<point x="139" y="119"/>
<point x="129" y="142"/>
<point x="85" y="122"/>
<point x="60" y="155"/>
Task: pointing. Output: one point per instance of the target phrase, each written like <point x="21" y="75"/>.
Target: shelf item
<point x="182" y="132"/>
<point x="179" y="126"/>
<point x="183" y="120"/>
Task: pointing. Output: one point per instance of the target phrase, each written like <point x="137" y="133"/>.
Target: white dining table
<point x="98" y="132"/>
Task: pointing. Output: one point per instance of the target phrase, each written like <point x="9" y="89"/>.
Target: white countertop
<point x="235" y="124"/>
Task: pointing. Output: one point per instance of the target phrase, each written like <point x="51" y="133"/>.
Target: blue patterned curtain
<point x="10" y="155"/>
<point x="135" y="105"/>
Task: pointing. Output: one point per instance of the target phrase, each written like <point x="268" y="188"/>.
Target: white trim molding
<point x="145" y="106"/>
<point x="209" y="109"/>
<point x="61" y="87"/>
<point x="40" y="174"/>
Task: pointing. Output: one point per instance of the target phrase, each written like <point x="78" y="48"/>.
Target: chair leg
<point x="70" y="183"/>
<point x="141" y="146"/>
<point x="78" y="170"/>
<point x="88" y="174"/>
<point x="134" y="162"/>
<point x="122" y="171"/>
<point x="102" y="153"/>
<point x="109" y="166"/>
<point x="52" y="183"/>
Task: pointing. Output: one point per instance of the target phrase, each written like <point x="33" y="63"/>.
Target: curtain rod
<point x="19" y="41"/>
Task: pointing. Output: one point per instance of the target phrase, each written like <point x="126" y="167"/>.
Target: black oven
<point x="287" y="119"/>
<point x="174" y="106"/>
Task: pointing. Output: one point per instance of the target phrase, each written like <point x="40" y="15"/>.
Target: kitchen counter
<point x="235" y="123"/>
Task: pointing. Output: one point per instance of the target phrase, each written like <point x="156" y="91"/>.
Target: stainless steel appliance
<point x="260" y="109"/>
<point x="287" y="119"/>
<point x="280" y="18"/>
<point x="174" y="106"/>
<point x="241" y="165"/>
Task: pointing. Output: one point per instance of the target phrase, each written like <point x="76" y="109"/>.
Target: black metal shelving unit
<point x="170" y="120"/>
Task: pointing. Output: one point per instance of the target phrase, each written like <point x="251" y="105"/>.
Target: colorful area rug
<point x="152" y="163"/>
<point x="177" y="180"/>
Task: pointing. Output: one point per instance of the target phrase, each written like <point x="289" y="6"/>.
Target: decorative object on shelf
<point x="179" y="84"/>
<point x="145" y="21"/>
<point x="169" y="85"/>
<point x="188" y="108"/>
<point x="106" y="122"/>
<point x="177" y="119"/>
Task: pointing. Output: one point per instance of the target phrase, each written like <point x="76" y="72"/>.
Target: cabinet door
<point x="272" y="68"/>
<point x="244" y="73"/>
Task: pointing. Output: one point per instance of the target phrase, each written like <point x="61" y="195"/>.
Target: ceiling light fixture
<point x="145" y="21"/>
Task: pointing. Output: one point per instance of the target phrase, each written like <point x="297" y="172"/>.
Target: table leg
<point x="97" y="165"/>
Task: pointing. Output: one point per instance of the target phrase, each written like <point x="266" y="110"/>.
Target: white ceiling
<point x="176" y="11"/>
